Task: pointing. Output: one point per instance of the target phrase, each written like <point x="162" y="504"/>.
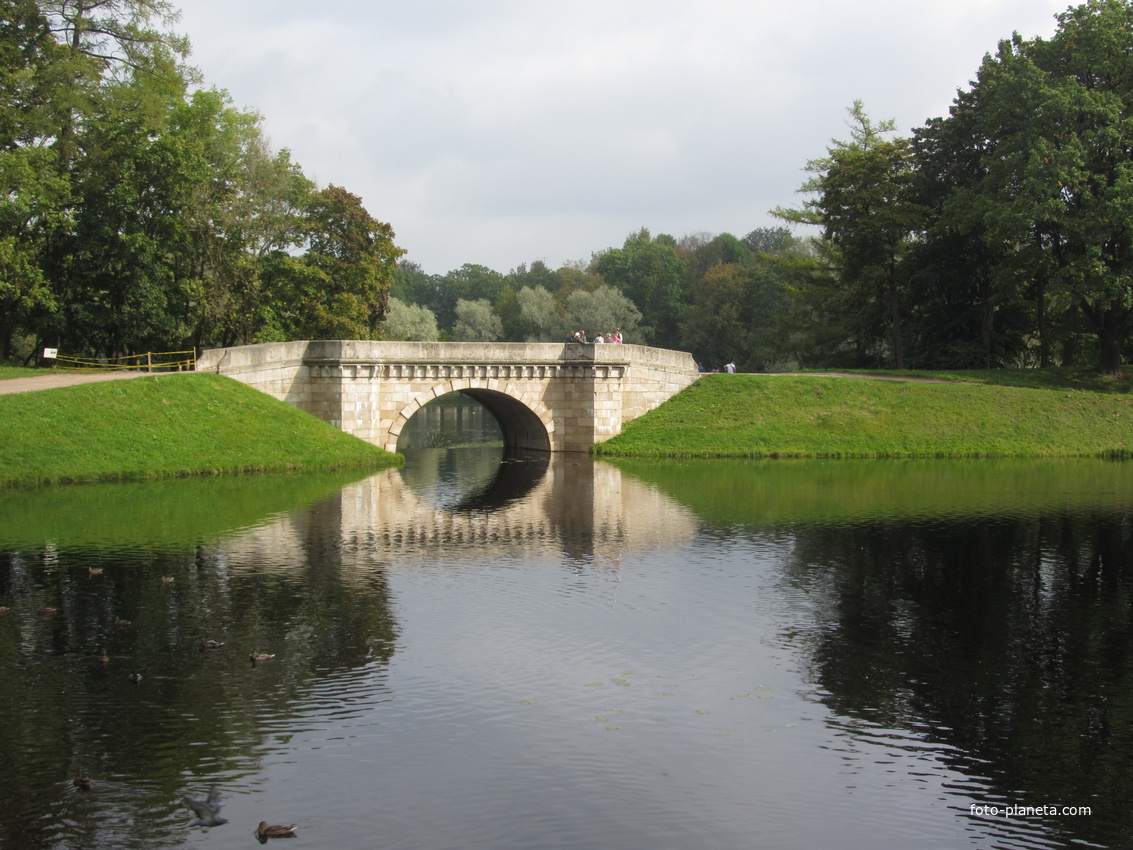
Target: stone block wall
<point x="550" y="396"/>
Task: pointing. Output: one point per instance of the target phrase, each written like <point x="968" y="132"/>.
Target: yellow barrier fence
<point x="151" y="361"/>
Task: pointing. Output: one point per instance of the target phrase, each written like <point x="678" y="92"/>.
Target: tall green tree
<point x="967" y="314"/>
<point x="243" y="203"/>
<point x="715" y="326"/>
<point x="649" y="272"/>
<point x="1054" y="129"/>
<point x="117" y="272"/>
<point x="340" y="287"/>
<point x="409" y="322"/>
<point x="602" y="310"/>
<point x="476" y="321"/>
<point x="863" y="202"/>
<point x="540" y="319"/>
<point x="33" y="199"/>
<point x="27" y="90"/>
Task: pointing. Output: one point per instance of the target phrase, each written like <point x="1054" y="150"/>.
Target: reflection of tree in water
<point x="1008" y="639"/>
<point x="207" y="714"/>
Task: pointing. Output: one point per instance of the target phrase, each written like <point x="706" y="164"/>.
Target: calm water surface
<point x="561" y="653"/>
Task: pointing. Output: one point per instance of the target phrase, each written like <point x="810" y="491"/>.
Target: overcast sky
<point x="505" y="131"/>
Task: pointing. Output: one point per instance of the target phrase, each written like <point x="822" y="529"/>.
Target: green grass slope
<point x="163" y="427"/>
<point x="766" y="416"/>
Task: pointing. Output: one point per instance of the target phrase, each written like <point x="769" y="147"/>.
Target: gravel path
<point x="55" y="380"/>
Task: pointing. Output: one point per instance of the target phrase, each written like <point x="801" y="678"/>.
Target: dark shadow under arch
<point x="517" y="476"/>
<point x="521" y="427"/>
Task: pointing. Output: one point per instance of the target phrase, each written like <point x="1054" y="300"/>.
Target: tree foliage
<point x="476" y="322"/>
<point x="142" y="211"/>
<point x="650" y="273"/>
<point x="409" y="322"/>
<point x="862" y="201"/>
<point x="601" y="311"/>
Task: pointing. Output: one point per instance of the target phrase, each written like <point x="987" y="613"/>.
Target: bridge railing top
<point x="369" y="351"/>
<point x="493" y="352"/>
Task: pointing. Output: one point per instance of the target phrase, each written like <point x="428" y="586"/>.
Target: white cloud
<point x="498" y="132"/>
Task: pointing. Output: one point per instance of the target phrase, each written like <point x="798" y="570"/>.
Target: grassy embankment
<point x="165" y="427"/>
<point x="1048" y="413"/>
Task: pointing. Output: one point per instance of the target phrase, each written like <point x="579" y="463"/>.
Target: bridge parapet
<point x="547" y="396"/>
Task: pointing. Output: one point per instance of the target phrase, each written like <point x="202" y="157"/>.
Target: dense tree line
<point x="999" y="235"/>
<point x="720" y="297"/>
<point x="142" y="211"/>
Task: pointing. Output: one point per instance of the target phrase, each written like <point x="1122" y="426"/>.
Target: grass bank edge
<point x="168" y="426"/>
<point x="826" y="417"/>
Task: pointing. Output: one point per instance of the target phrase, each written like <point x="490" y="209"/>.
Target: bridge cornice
<point x="501" y="353"/>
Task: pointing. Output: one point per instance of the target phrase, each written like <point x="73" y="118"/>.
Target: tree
<point x="242" y="204"/>
<point x="968" y="315"/>
<point x="768" y="240"/>
<point x="715" y="326"/>
<point x="27" y="51"/>
<point x="540" y="320"/>
<point x="603" y="310"/>
<point x="32" y="199"/>
<point x="342" y="289"/>
<point x="476" y="322"/>
<point x="863" y="203"/>
<point x="471" y="282"/>
<point x="104" y="43"/>
<point x="650" y="273"/>
<point x="1052" y="129"/>
<point x="115" y="269"/>
<point x="409" y="322"/>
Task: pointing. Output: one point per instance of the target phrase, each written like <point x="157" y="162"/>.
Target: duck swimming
<point x="264" y="831"/>
<point x="260" y="657"/>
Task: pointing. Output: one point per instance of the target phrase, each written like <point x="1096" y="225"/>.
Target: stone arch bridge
<point x="554" y="397"/>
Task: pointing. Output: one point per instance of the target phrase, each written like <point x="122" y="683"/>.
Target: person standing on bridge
<point x="731" y="367"/>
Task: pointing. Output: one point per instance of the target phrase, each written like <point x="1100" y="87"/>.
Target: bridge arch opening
<point x="522" y="429"/>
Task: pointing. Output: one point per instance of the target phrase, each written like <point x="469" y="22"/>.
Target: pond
<point x="552" y="652"/>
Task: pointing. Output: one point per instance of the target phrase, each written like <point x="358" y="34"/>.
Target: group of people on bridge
<point x="580" y="336"/>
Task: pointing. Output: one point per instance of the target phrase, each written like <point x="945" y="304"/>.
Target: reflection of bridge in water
<point x="568" y="507"/>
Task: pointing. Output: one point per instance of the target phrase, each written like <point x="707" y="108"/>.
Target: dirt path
<point x="55" y="380"/>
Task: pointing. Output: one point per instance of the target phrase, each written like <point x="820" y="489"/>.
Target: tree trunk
<point x="1040" y="317"/>
<point x="1112" y="326"/>
<point x="986" y="319"/>
<point x="895" y="321"/>
<point x="1109" y="351"/>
